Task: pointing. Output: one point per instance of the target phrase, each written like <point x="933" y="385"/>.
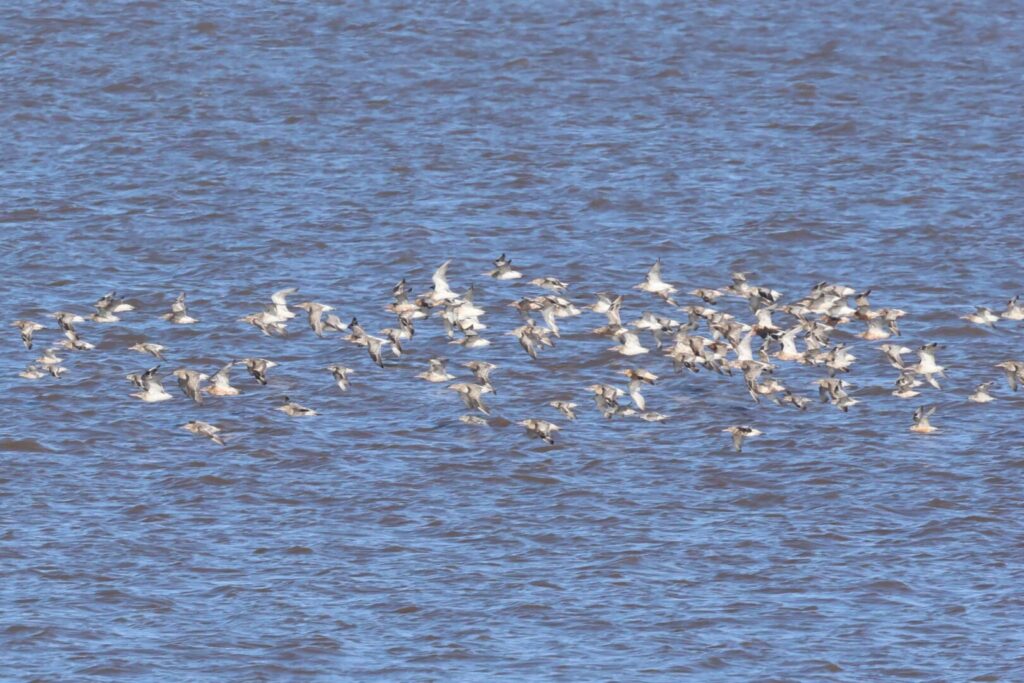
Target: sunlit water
<point x="231" y="150"/>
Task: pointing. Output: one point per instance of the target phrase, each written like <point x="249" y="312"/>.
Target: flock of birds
<point x="709" y="339"/>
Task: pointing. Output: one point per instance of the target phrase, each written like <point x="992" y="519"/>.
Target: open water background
<point x="229" y="149"/>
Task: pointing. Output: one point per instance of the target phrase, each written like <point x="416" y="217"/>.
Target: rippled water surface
<point x="230" y="149"/>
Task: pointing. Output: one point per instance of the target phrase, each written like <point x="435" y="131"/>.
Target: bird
<point x="258" y="367"/>
<point x="567" y="408"/>
<point x="375" y="347"/>
<point x="503" y="269"/>
<point x="541" y="429"/>
<point x="981" y="394"/>
<point x="31" y="372"/>
<point x="905" y="385"/>
<point x="316" y="313"/>
<point x="1014" y="310"/>
<point x="921" y="424"/>
<point x="27" y="329"/>
<point x="739" y="433"/>
<point x="152" y="390"/>
<point x="441" y="292"/>
<point x="266" y="322"/>
<point x="481" y="370"/>
<point x="473" y="420"/>
<point x="295" y="410"/>
<point x="73" y="341"/>
<point x="200" y="428"/>
<point x="49" y="357"/>
<point x="155" y="350"/>
<point x="67" y="320"/>
<point x="220" y="382"/>
<point x="279" y="301"/>
<point x="437" y="371"/>
<point x="471" y="396"/>
<point x="927" y="365"/>
<point x="189" y="381"/>
<point x="653" y="282"/>
<point x="340" y="373"/>
<point x="637" y="378"/>
<point x="894" y="352"/>
<point x="629" y="344"/>
<point x="550" y="283"/>
<point x="531" y="337"/>
<point x="981" y="316"/>
<point x="708" y="294"/>
<point x="1014" y="371"/>
<point x="179" y="312"/>
<point x="107" y="306"/>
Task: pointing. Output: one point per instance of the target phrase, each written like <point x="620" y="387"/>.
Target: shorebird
<point x="155" y="350"/>
<point x="541" y="429"/>
<point x="295" y="410"/>
<point x="481" y="370"/>
<point x="152" y="390"/>
<point x="279" y="301"/>
<point x="1014" y="371"/>
<point x="107" y="306"/>
<point x="1014" y="310"/>
<point x="356" y="334"/>
<point x="67" y="320"/>
<point x="653" y="282"/>
<point x="440" y="291"/>
<point x="189" y="381"/>
<point x="258" y="367"/>
<point x="878" y="326"/>
<point x="316" y="312"/>
<point x="981" y="394"/>
<point x="629" y="344"/>
<point x="333" y="322"/>
<point x="606" y="398"/>
<point x="503" y="269"/>
<point x="927" y="365"/>
<point x="31" y="372"/>
<point x="739" y="433"/>
<point x="266" y="322"/>
<point x="49" y="357"/>
<point x="437" y="371"/>
<point x="637" y="378"/>
<point x="27" y="329"/>
<point x="894" y="352"/>
<point x="393" y="337"/>
<point x="179" y="312"/>
<point x="906" y="384"/>
<point x="220" y="382"/>
<point x="375" y="347"/>
<point x="921" y="424"/>
<point x="74" y="342"/>
<point x="340" y="373"/>
<point x="471" y="340"/>
<point x="531" y="336"/>
<point x="471" y="396"/>
<point x="550" y="283"/>
<point x="981" y="316"/>
<point x="709" y="295"/>
<point x="788" y="397"/>
<point x="567" y="408"/>
<point x="200" y="428"/>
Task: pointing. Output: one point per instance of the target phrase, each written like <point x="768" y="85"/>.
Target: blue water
<point x="231" y="149"/>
